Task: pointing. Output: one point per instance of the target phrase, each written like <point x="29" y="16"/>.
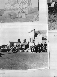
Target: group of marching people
<point x="39" y="48"/>
<point x="26" y="47"/>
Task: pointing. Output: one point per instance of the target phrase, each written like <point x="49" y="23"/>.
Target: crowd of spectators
<point x="25" y="46"/>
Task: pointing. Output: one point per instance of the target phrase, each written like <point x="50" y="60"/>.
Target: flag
<point x="31" y="35"/>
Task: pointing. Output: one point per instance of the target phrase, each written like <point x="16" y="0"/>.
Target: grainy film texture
<point x="19" y="10"/>
<point x="52" y="35"/>
<point x="23" y="47"/>
<point x="52" y="14"/>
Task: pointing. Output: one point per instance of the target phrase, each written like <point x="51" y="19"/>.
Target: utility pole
<point x="38" y="5"/>
<point x="34" y="37"/>
<point x="34" y="34"/>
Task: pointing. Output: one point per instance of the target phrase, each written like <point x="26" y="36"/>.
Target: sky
<point x="13" y="32"/>
<point x="2" y="3"/>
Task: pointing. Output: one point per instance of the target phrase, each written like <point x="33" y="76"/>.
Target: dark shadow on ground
<point x="24" y="60"/>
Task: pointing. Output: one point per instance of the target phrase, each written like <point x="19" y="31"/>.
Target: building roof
<point x="41" y="32"/>
<point x="13" y="42"/>
<point x="54" y="0"/>
<point x="49" y="1"/>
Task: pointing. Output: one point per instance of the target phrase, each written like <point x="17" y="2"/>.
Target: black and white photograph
<point x="28" y="73"/>
<point x="19" y="11"/>
<point x="52" y="14"/>
<point x="23" y="47"/>
<point x="52" y="36"/>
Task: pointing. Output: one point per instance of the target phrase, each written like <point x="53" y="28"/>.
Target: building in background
<point x="38" y="37"/>
<point x="15" y="43"/>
